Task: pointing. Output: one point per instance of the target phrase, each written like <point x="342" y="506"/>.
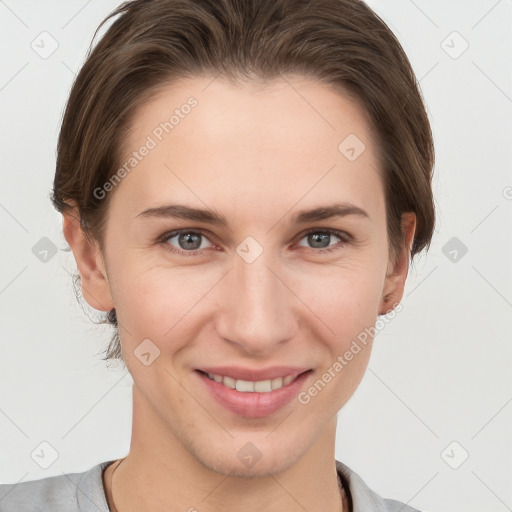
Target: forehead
<point x="269" y="143"/>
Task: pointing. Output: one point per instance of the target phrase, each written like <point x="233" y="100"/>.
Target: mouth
<point x="253" y="398"/>
<point x="253" y="386"/>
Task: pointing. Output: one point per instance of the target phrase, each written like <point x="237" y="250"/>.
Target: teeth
<point x="248" y="386"/>
<point x="287" y="380"/>
<point x="244" y="385"/>
<point x="229" y="382"/>
<point x="263" y="386"/>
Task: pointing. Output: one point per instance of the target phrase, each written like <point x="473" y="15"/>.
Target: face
<point x="262" y="288"/>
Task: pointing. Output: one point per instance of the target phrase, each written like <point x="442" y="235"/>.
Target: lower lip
<point x="253" y="405"/>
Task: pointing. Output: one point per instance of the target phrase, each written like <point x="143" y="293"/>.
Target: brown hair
<point x="341" y="43"/>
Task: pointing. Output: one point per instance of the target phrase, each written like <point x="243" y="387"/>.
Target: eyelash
<point x="343" y="236"/>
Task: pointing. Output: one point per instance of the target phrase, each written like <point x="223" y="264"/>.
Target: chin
<point x="249" y="461"/>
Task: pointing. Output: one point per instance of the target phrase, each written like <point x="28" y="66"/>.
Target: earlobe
<point x="398" y="268"/>
<point x="90" y="263"/>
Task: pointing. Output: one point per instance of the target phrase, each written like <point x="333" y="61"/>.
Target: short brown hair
<point x="342" y="43"/>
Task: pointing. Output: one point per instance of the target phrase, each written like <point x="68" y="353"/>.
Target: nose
<point x="259" y="310"/>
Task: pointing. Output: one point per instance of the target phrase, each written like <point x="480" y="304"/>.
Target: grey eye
<point x="319" y="239"/>
<point x="188" y="240"/>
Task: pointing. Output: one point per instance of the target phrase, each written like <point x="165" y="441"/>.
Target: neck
<point x="161" y="473"/>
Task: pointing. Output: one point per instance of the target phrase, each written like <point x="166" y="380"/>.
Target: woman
<point x="243" y="185"/>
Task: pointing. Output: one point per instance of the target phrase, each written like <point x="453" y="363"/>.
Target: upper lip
<point x="237" y="372"/>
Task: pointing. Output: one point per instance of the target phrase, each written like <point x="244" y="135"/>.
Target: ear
<point x="398" y="267"/>
<point x="88" y="257"/>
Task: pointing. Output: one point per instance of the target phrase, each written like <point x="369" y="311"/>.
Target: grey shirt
<point x="84" y="492"/>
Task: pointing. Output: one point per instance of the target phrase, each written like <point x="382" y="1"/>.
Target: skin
<point x="257" y="155"/>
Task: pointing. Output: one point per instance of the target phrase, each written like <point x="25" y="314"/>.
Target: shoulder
<point x="71" y="492"/>
<point x="398" y="506"/>
<point x="363" y="499"/>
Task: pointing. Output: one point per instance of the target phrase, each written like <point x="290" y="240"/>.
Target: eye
<point x="188" y="241"/>
<point x="319" y="239"/>
<point x="191" y="243"/>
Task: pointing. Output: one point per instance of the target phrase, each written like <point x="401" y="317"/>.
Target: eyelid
<point x="345" y="238"/>
<point x="171" y="234"/>
<point x="337" y="232"/>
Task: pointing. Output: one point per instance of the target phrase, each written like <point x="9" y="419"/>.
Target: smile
<point x="254" y="398"/>
<point x="249" y="386"/>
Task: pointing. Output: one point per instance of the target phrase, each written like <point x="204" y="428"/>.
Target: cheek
<point x="346" y="302"/>
<point x="339" y="298"/>
<point x="345" y="296"/>
<point x="152" y="301"/>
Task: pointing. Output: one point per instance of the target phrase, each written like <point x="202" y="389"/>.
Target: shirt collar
<point x="363" y="499"/>
<point x="91" y="493"/>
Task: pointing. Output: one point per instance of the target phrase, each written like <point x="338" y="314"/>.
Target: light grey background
<point x="438" y="387"/>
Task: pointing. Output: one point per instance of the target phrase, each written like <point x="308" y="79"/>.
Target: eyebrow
<point x="180" y="211"/>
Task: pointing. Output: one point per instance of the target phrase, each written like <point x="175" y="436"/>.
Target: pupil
<point x="318" y="238"/>
<point x="188" y="239"/>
